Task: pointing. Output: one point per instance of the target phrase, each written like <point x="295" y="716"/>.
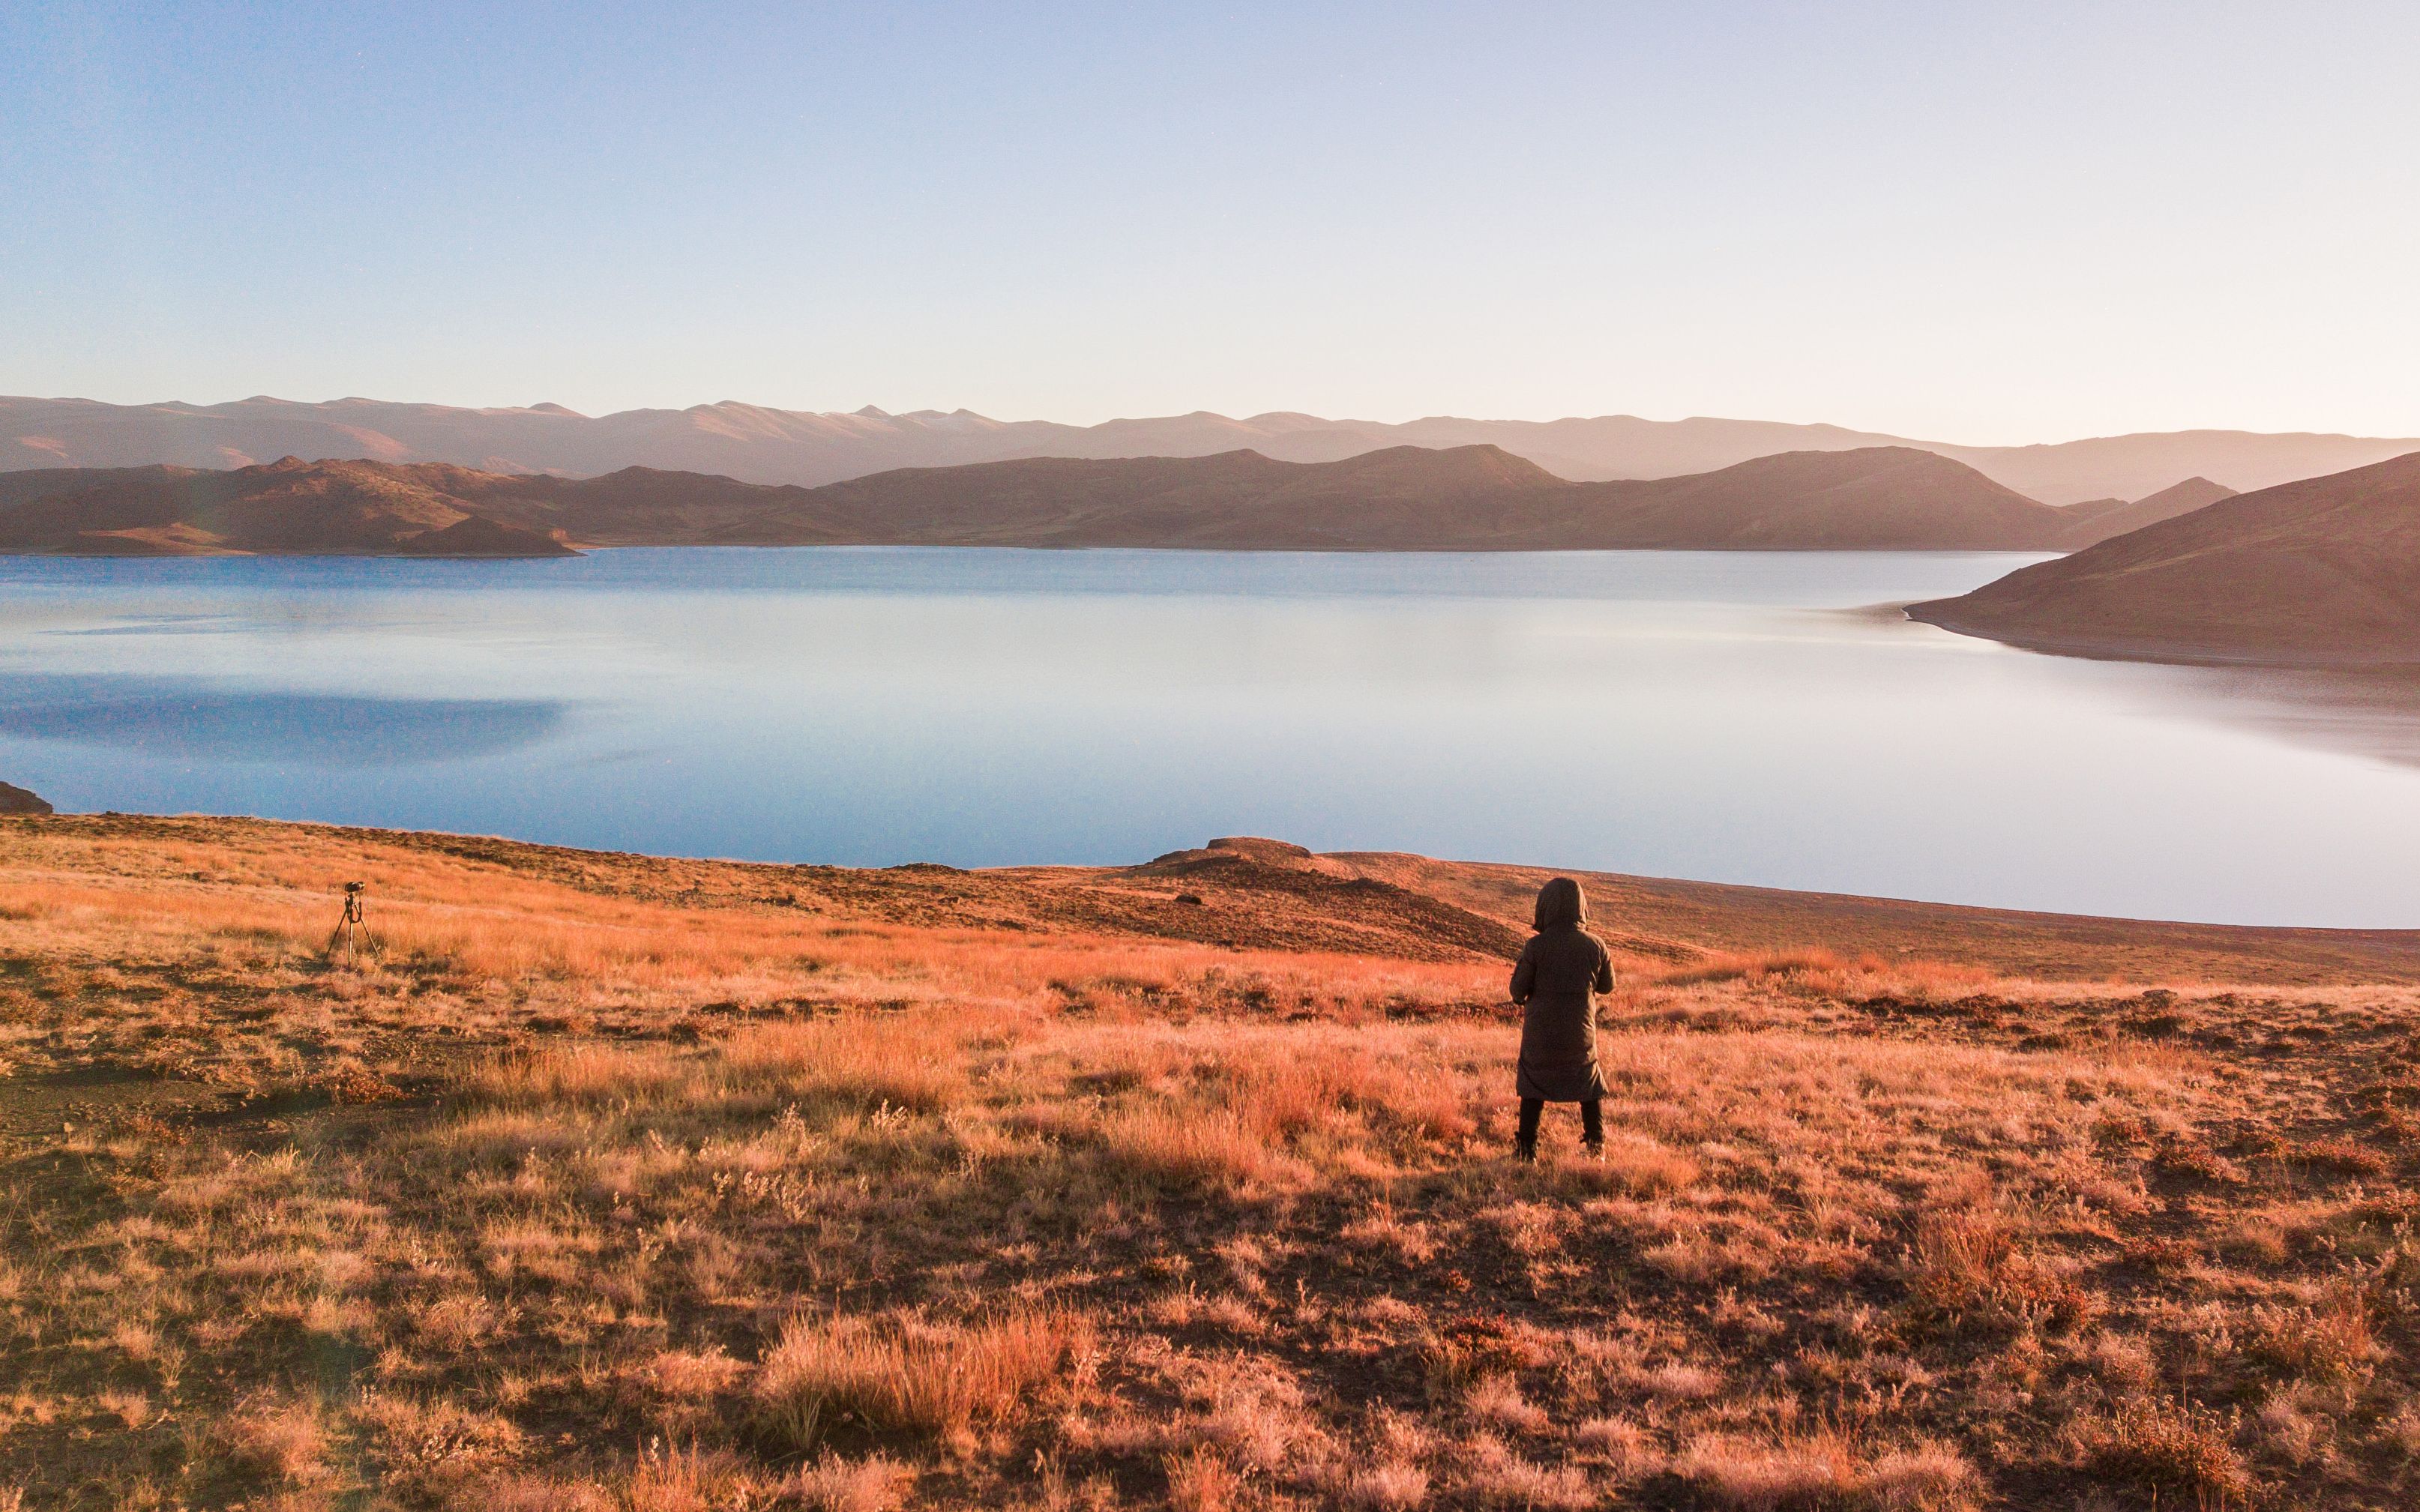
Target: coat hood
<point x="1560" y="903"/>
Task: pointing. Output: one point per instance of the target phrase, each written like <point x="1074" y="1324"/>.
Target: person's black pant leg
<point x="1531" y="1109"/>
<point x="1593" y="1122"/>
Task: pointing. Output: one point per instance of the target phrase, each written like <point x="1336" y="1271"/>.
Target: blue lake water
<point x="1723" y="716"/>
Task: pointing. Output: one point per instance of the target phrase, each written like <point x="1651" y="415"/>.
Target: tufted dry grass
<point x="735" y="1204"/>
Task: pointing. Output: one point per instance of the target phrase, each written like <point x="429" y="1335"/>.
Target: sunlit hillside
<point x="612" y="1184"/>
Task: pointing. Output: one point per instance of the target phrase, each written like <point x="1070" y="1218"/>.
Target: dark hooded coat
<point x="1560" y="971"/>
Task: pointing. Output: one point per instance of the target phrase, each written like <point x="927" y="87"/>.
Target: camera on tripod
<point x="352" y="932"/>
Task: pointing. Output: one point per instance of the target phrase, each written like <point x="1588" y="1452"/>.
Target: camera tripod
<point x="352" y="932"/>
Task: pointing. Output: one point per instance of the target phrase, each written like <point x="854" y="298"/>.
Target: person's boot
<point x="1525" y="1150"/>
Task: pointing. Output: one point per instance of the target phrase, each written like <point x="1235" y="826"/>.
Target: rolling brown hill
<point x="2324" y="572"/>
<point x="289" y="507"/>
<point x="1875" y="497"/>
<point x="1235" y="498"/>
<point x="1405" y="498"/>
<point x="2102" y="519"/>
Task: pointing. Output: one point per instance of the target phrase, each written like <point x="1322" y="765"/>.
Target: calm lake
<point x="1723" y="716"/>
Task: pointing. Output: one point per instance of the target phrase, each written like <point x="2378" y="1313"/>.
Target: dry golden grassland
<point x="664" y="1186"/>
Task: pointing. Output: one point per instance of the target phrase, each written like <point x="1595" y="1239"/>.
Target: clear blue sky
<point x="1968" y="221"/>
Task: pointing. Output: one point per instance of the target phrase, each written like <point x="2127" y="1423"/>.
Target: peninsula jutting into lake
<point x="2324" y="572"/>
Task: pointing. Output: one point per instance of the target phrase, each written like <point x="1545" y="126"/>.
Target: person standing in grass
<point x="1561" y="970"/>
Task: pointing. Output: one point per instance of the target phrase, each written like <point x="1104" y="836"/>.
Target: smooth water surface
<point x="1704" y="715"/>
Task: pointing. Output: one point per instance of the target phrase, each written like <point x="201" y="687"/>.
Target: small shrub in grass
<point x="1750" y="966"/>
<point x="2289" y="1431"/>
<point x="1181" y="1146"/>
<point x="1389" y="1486"/>
<point x="2332" y="1341"/>
<point x="549" y="1076"/>
<point x="1676" y="1382"/>
<point x="543" y="1493"/>
<point x="1626" y="1445"/>
<point x="427" y="1443"/>
<point x="1497" y="1400"/>
<point x="274" y="1440"/>
<point x="1426" y="1106"/>
<point x="352" y="1082"/>
<point x="131" y="1408"/>
<point x="902" y="1374"/>
<point x="1931" y="1477"/>
<point x="1632" y="1163"/>
<point x="1479" y="1344"/>
<point x="2190" y="1157"/>
<point x="1498" y="1477"/>
<point x="2335" y="1156"/>
<point x="681" y="1375"/>
<point x="1769" y="1475"/>
<point x="905" y="1061"/>
<point x="2174" y="1450"/>
<point x="1201" y="1481"/>
<point x="2401" y="1432"/>
<point x="1966" y="1270"/>
<point x="1821" y="1471"/>
<point x="691" y="1480"/>
<point x="832" y="1484"/>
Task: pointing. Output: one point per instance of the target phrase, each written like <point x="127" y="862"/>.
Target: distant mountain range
<point x="756" y="444"/>
<point x="1403" y="498"/>
<point x="2323" y="571"/>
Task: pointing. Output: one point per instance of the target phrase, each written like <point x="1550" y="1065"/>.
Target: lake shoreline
<point x="1276" y="894"/>
<point x="582" y="548"/>
<point x="2149" y="650"/>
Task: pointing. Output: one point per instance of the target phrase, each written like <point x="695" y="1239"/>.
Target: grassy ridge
<point x="633" y="1184"/>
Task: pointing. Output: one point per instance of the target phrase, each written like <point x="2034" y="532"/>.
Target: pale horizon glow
<point x="1979" y="225"/>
